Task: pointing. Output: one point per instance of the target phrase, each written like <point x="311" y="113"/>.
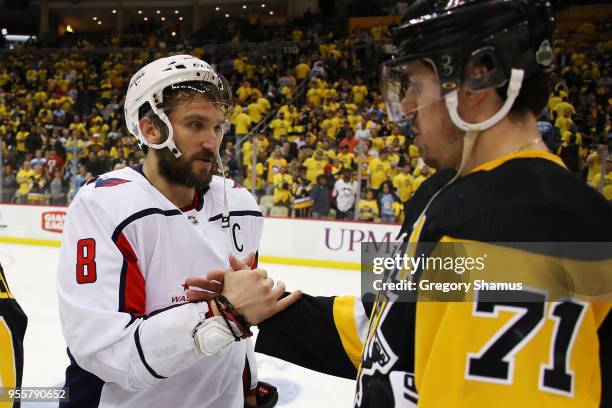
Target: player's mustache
<point x="206" y="154"/>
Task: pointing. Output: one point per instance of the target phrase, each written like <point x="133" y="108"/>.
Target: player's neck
<point x="180" y="196"/>
<point x="507" y="137"/>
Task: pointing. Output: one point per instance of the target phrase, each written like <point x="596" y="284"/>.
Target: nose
<point x="211" y="140"/>
<point x="409" y="103"/>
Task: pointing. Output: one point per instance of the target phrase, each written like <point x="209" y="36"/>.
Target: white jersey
<point x="346" y="194"/>
<point x="126" y="251"/>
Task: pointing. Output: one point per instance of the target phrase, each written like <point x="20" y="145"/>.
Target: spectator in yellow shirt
<point x="259" y="181"/>
<point x="330" y="124"/>
<point x="315" y="96"/>
<point x="242" y="121"/>
<point x="279" y="126"/>
<point x="563" y="122"/>
<point x="423" y="175"/>
<point x="572" y="130"/>
<point x="593" y="160"/>
<point x="346" y="158"/>
<point x="563" y="105"/>
<point x="255" y="111"/>
<point x="368" y="207"/>
<point x="302" y="70"/>
<point x="264" y="104"/>
<point x="283" y="185"/>
<point x="607" y="188"/>
<point x="377" y="31"/>
<point x="315" y="166"/>
<point x="295" y="130"/>
<point x="244" y="92"/>
<point x="25" y="177"/>
<point x="395" y="135"/>
<point x="359" y="92"/>
<point x="379" y="170"/>
<point x="328" y="152"/>
<point x="403" y="183"/>
<point x="20" y="138"/>
<point x="275" y="162"/>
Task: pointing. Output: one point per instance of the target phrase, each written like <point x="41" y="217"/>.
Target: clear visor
<point x="201" y="93"/>
<point x="408" y="87"/>
<point x="410" y="84"/>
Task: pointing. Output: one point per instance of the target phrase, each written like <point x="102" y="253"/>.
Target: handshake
<point x="250" y="291"/>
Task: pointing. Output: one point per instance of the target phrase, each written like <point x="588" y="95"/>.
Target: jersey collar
<point x="527" y="154"/>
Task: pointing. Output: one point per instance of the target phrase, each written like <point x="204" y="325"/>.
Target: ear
<point x="149" y="131"/>
<point x="477" y="106"/>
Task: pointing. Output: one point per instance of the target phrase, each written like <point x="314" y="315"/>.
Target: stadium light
<point x="174" y="33"/>
<point x="4" y="31"/>
<point x="217" y="8"/>
<point x="244" y="6"/>
<point x="180" y="18"/>
<point x="146" y="19"/>
<point x="163" y="19"/>
<point x="271" y="13"/>
<point x="158" y="11"/>
<point x="94" y="18"/>
<point x="69" y="29"/>
<point x="176" y="11"/>
<point x="263" y="5"/>
<point x="99" y="22"/>
<point x="226" y="15"/>
<point x="139" y="11"/>
<point x="114" y="11"/>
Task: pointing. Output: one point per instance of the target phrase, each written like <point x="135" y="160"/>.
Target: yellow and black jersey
<point x="13" y="322"/>
<point x="484" y="352"/>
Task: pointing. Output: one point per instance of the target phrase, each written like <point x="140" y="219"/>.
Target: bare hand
<point x="211" y="285"/>
<point x="253" y="294"/>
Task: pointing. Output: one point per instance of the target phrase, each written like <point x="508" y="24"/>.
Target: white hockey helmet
<point x="147" y="86"/>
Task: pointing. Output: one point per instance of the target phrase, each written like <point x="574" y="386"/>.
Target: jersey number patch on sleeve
<point x="495" y="361"/>
<point x="86" y="263"/>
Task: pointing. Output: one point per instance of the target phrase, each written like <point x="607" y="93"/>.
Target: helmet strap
<point x="514" y="87"/>
<point x="472" y="130"/>
<point x="169" y="142"/>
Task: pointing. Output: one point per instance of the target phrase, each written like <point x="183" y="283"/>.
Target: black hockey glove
<point x="266" y="395"/>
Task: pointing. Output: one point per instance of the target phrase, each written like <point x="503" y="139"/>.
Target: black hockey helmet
<point x="505" y="35"/>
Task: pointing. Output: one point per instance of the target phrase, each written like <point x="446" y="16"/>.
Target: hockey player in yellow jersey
<point x="13" y="322"/>
<point x="470" y="78"/>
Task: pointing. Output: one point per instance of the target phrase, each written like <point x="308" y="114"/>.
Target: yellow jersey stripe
<point x="344" y="319"/>
<point x="527" y="154"/>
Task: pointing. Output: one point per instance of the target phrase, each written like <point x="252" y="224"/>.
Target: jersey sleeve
<point x="324" y="334"/>
<point x="112" y="340"/>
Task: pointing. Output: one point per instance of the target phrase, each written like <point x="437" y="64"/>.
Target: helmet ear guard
<point x="493" y="75"/>
<point x="516" y="81"/>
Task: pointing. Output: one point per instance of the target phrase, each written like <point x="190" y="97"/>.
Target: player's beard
<point x="180" y="170"/>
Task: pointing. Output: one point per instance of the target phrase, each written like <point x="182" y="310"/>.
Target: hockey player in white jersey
<point x="133" y="236"/>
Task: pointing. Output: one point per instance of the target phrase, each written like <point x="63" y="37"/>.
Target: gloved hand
<point x="266" y="396"/>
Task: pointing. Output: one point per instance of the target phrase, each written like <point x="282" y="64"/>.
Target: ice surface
<point x="30" y="271"/>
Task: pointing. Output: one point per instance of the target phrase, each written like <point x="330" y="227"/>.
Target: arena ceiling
<point x="22" y="17"/>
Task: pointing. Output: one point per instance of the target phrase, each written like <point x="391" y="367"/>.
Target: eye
<point x="218" y="129"/>
<point x="195" y="125"/>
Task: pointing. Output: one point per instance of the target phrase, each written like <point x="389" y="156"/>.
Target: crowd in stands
<point x="305" y="157"/>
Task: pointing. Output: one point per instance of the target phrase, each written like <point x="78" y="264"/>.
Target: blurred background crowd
<point x="309" y="125"/>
